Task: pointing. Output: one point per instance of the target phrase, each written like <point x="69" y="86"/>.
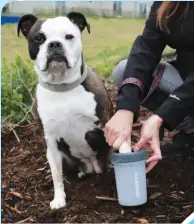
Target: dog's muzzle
<point x="56" y="57"/>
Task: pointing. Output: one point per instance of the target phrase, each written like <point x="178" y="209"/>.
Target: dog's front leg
<point x="54" y="157"/>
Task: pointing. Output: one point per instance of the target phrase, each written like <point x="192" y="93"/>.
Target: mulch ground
<point x="27" y="187"/>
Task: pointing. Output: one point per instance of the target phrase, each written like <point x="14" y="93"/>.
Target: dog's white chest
<point x="69" y="115"/>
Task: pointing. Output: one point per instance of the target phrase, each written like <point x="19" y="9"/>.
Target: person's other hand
<point x="118" y="128"/>
<point x="150" y="140"/>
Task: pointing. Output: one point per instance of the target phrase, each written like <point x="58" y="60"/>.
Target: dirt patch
<point x="27" y="188"/>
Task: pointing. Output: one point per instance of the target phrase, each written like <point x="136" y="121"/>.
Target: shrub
<point x="18" y="89"/>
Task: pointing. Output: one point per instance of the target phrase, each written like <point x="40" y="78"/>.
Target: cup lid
<point x="128" y="157"/>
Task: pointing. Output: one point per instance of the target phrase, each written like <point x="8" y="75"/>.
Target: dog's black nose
<point x="55" y="45"/>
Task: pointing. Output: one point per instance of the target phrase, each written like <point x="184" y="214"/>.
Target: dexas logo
<point x="137" y="191"/>
<point x="189" y="220"/>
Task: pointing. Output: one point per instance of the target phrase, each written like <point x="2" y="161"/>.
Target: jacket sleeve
<point x="143" y="58"/>
<point x="178" y="105"/>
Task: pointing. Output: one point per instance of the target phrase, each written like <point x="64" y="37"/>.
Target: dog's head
<point x="55" y="45"/>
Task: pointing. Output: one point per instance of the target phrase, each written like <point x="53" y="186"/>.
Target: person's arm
<point x="143" y="58"/>
<point x="178" y="105"/>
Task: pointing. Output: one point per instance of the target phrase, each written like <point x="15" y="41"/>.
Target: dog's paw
<point x="57" y="203"/>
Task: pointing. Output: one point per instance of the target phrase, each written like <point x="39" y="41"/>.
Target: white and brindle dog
<point x="72" y="102"/>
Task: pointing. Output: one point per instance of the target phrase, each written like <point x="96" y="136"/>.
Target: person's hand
<point x="150" y="140"/>
<point x="118" y="128"/>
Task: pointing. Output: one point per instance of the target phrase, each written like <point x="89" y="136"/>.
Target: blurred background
<point x="98" y="8"/>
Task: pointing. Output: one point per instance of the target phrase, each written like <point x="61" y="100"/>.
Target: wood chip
<point x="104" y="198"/>
<point x="12" y="149"/>
<point x="155" y="195"/>
<point x="183" y="203"/>
<point x="175" y="196"/>
<point x="48" y="177"/>
<point x="48" y="171"/>
<point x="143" y="221"/>
<point x="4" y="185"/>
<point x="17" y="211"/>
<point x="96" y="213"/>
<point x="73" y="219"/>
<point x="161" y="216"/>
<point x="14" y="132"/>
<point x="25" y="220"/>
<point x="41" y="169"/>
<point x="14" y="209"/>
<point x="187" y="206"/>
<point x="17" y="194"/>
<point x="66" y="181"/>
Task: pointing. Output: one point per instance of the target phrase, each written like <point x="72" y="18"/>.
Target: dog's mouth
<point x="57" y="61"/>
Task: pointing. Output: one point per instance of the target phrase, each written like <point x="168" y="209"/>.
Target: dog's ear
<point x="25" y="24"/>
<point x="80" y="20"/>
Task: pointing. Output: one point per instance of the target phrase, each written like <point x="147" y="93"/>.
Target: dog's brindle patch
<point x="104" y="108"/>
<point x="30" y="27"/>
<point x="104" y="111"/>
<point x="33" y="46"/>
<point x="97" y="142"/>
<point x="70" y="162"/>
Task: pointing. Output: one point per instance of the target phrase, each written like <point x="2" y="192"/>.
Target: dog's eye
<point x="40" y="38"/>
<point x="69" y="37"/>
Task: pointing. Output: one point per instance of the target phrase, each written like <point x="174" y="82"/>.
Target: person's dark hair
<point x="167" y="10"/>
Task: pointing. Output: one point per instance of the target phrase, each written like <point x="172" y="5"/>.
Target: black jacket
<point x="146" y="53"/>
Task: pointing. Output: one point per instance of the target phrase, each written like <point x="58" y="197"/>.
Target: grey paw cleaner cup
<point x="130" y="175"/>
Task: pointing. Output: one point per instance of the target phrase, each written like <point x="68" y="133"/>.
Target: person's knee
<point x="171" y="78"/>
<point x="117" y="74"/>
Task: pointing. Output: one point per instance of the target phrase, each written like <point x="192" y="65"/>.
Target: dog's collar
<point x="64" y="87"/>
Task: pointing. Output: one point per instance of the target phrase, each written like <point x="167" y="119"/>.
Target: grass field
<point x="109" y="42"/>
